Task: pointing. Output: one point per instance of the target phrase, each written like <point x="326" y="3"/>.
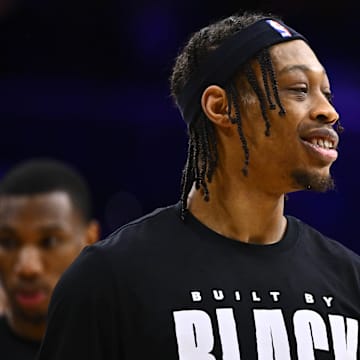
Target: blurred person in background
<point x="45" y="221"/>
<point x="2" y="300"/>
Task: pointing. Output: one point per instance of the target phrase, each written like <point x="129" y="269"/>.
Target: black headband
<point x="224" y="61"/>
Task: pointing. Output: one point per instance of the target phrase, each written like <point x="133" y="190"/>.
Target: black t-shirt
<point x="13" y="347"/>
<point x="161" y="288"/>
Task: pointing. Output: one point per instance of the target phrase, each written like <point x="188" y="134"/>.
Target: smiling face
<point x="302" y="146"/>
<point x="40" y="235"/>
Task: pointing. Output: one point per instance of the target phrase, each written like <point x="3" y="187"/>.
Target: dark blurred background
<point x="87" y="82"/>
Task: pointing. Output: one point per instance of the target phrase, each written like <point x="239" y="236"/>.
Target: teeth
<point x="323" y="143"/>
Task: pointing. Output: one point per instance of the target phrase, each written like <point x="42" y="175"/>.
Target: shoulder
<point x="155" y="226"/>
<point x="14" y="346"/>
<point x="4" y="328"/>
<point x="5" y="332"/>
<point x="163" y="217"/>
<point x="8" y="341"/>
<point x="119" y="252"/>
<point x="326" y="247"/>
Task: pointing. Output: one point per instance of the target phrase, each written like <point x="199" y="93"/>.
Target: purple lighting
<point x="154" y="31"/>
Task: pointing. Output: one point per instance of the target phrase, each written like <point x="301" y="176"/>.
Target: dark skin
<point x="298" y="153"/>
<point x="40" y="235"/>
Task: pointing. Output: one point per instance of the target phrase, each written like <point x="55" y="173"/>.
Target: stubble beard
<point x="35" y="318"/>
<point x="313" y="182"/>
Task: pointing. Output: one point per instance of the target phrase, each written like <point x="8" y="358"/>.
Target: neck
<point x="247" y="215"/>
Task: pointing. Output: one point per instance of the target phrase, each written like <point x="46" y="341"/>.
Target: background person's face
<point x="40" y="236"/>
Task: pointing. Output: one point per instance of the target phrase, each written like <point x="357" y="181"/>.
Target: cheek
<point x="248" y="99"/>
<point x="252" y="122"/>
<point x="58" y="260"/>
<point x="287" y="125"/>
<point x="249" y="106"/>
<point x="55" y="267"/>
<point x="7" y="264"/>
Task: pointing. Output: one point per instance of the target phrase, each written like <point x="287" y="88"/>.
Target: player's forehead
<point x="295" y="56"/>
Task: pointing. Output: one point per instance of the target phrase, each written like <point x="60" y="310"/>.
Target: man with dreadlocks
<point x="225" y="274"/>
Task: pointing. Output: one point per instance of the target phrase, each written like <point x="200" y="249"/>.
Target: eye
<point x="8" y="243"/>
<point x="300" y="92"/>
<point x="300" y="89"/>
<point x="50" y="242"/>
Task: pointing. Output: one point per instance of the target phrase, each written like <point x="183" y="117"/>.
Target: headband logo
<point x="282" y="30"/>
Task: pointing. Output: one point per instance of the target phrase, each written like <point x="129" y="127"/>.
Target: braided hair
<point x="202" y="157"/>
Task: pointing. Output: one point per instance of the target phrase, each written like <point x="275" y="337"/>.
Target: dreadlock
<point x="233" y="94"/>
<point x="201" y="160"/>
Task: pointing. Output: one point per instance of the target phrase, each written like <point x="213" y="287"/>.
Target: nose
<point x="29" y="264"/>
<point x="323" y="111"/>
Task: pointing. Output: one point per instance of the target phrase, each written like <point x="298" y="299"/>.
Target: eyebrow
<point x="43" y="229"/>
<point x="51" y="227"/>
<point x="303" y="68"/>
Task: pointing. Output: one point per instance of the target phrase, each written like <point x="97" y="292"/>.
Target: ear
<point x="92" y="233"/>
<point x="215" y="105"/>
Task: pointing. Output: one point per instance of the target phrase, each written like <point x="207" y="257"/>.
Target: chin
<point x="34" y="316"/>
<point x="313" y="181"/>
